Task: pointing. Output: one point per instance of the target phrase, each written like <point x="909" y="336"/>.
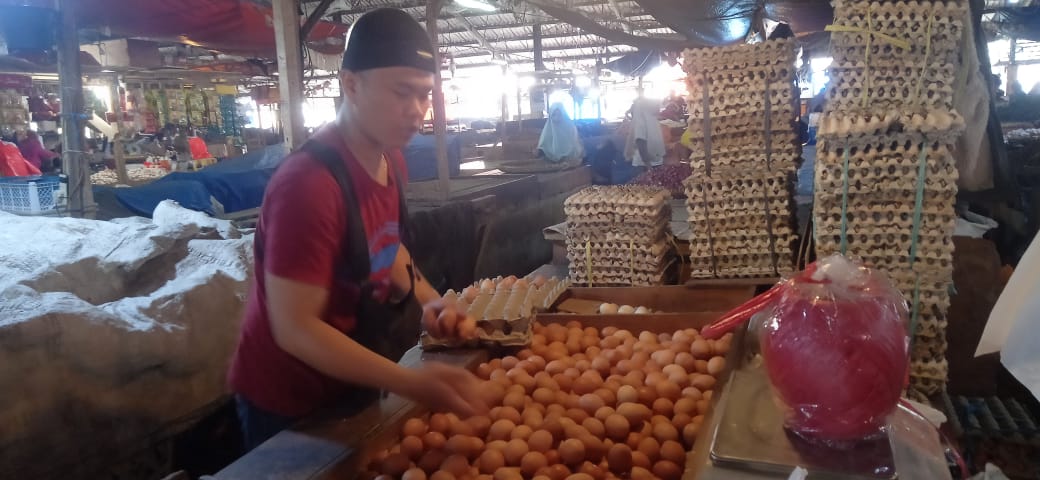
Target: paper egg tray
<point x="506" y="333"/>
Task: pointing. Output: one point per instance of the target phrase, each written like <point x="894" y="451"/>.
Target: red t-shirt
<point x="302" y="223"/>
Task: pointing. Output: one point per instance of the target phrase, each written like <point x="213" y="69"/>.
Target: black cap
<point x="387" y="37"/>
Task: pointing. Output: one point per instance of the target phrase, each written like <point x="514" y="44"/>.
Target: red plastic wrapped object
<point x="837" y="351"/>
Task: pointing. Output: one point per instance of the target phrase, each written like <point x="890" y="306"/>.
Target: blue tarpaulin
<point x="238" y="183"/>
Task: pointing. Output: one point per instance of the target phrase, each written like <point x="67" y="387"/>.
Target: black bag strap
<point x="355" y="263"/>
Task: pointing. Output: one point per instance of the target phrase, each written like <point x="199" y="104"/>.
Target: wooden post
<point x="75" y="161"/>
<point x="440" y="121"/>
<point x="117" y="143"/>
<point x="290" y="71"/>
<point x="1012" y="69"/>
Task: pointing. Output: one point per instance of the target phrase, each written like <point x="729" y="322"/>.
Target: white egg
<point x="487" y="286"/>
<point x="626" y="310"/>
<point x="642" y="311"/>
<point x="608" y="309"/>
<point x="469" y="294"/>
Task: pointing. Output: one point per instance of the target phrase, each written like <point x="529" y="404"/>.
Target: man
<point x="320" y="326"/>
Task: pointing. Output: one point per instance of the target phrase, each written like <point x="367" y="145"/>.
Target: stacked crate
<point x="742" y="106"/>
<point x="886" y="181"/>
<point x="618" y="235"/>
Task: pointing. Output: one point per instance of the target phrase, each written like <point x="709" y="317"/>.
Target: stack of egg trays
<point x="885" y="135"/>
<point x="745" y="150"/>
<point x="619" y="235"/>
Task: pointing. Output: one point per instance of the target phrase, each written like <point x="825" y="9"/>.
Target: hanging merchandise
<point x="14" y="108"/>
<point x="231" y="124"/>
<point x="176" y="105"/>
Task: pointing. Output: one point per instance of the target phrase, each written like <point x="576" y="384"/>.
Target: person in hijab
<point x="31" y="147"/>
<point x="645" y="140"/>
<point x="559" y="141"/>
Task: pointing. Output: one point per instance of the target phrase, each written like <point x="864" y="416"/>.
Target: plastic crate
<point x="29" y="195"/>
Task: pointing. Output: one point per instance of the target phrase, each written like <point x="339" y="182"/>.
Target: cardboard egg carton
<point x="737" y="57"/>
<point x="504" y="312"/>
<point x="616" y="277"/>
<point x="618" y="198"/>
<point x="935" y="125"/>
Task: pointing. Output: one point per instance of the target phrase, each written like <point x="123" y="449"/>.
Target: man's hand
<point x="442" y="320"/>
<point x="443" y="388"/>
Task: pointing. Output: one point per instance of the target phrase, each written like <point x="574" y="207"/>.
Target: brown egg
<point x="681" y="420"/>
<point x="396" y="464"/>
<point x="499" y="445"/>
<point x="479" y="424"/>
<point x="563" y="382"/>
<point x="434" y="440"/>
<point x="442" y="475"/>
<point x="595" y="450"/>
<point x="501" y="429"/>
<point x="490" y="461"/>
<point x="616" y="427"/>
<point x="515" y="400"/>
<point x="690" y="432"/>
<point x="439" y="423"/>
<point x="528" y="366"/>
<point x="522" y="432"/>
<point x="707" y="395"/>
<point x="692" y="393"/>
<point x="594" y="427"/>
<point x="463" y="445"/>
<point x="515" y="451"/>
<point x="506" y="413"/>
<point x="647" y="395"/>
<point x="553" y="456"/>
<point x="509" y="362"/>
<point x="540" y="441"/>
<point x="664" y="431"/>
<point x="572" y="451"/>
<point x="414" y="474"/>
<point x="663" y="406"/>
<point x="534" y="418"/>
<point x="703" y="382"/>
<point x="686" y="361"/>
<point x="554" y="426"/>
<point x="627" y="394"/>
<point x="577" y="414"/>
<point x="607" y="394"/>
<point x="619" y="458"/>
<point x="669" y="390"/>
<point x="412" y="447"/>
<point x="663" y="357"/>
<point x="585" y="384"/>
<point x="593" y="470"/>
<point x="456" y="464"/>
<point x="532" y="462"/>
<point x="415" y="427"/>
<point x="639" y="460"/>
<point x="590" y="402"/>
<point x="700" y="349"/>
<point x="555" y="367"/>
<point x="603" y="412"/>
<point x="636" y="413"/>
<point x="508" y="474"/>
<point x="580" y="476"/>
<point x="667" y="470"/>
<point x="431" y="460"/>
<point x="499" y="374"/>
<point x="716" y="365"/>
<point x="542" y="477"/>
<point x="673" y="451"/>
<point x="722" y="345"/>
<point x="649" y="447"/>
<point x="626" y="366"/>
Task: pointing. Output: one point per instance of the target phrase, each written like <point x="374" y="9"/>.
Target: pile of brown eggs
<point x="579" y="404"/>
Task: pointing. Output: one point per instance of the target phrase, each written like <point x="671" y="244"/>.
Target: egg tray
<point x="619" y="234"/>
<point x="889" y="181"/>
<point x="640" y="198"/>
<point x="848" y="128"/>
<point x="618" y="221"/>
<point x="748" y="143"/>
<point x="891" y="150"/>
<point x="922" y="388"/>
<point x="738" y="104"/>
<point x="742" y="121"/>
<point x="617" y="277"/>
<point x="736" y="254"/>
<point x="737" y="211"/>
<point x="655" y="249"/>
<point x="778" y="76"/>
<point x="490" y="333"/>
<point x="737" y="56"/>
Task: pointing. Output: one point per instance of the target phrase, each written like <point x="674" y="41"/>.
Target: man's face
<point x="391" y="103"/>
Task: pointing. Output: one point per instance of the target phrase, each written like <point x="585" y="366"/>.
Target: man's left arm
<point x="440" y="319"/>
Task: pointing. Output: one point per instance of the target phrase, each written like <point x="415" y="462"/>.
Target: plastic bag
<point x="13" y="164"/>
<point x="836" y="350"/>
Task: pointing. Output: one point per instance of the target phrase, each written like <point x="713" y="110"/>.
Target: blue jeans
<point x="258" y="425"/>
